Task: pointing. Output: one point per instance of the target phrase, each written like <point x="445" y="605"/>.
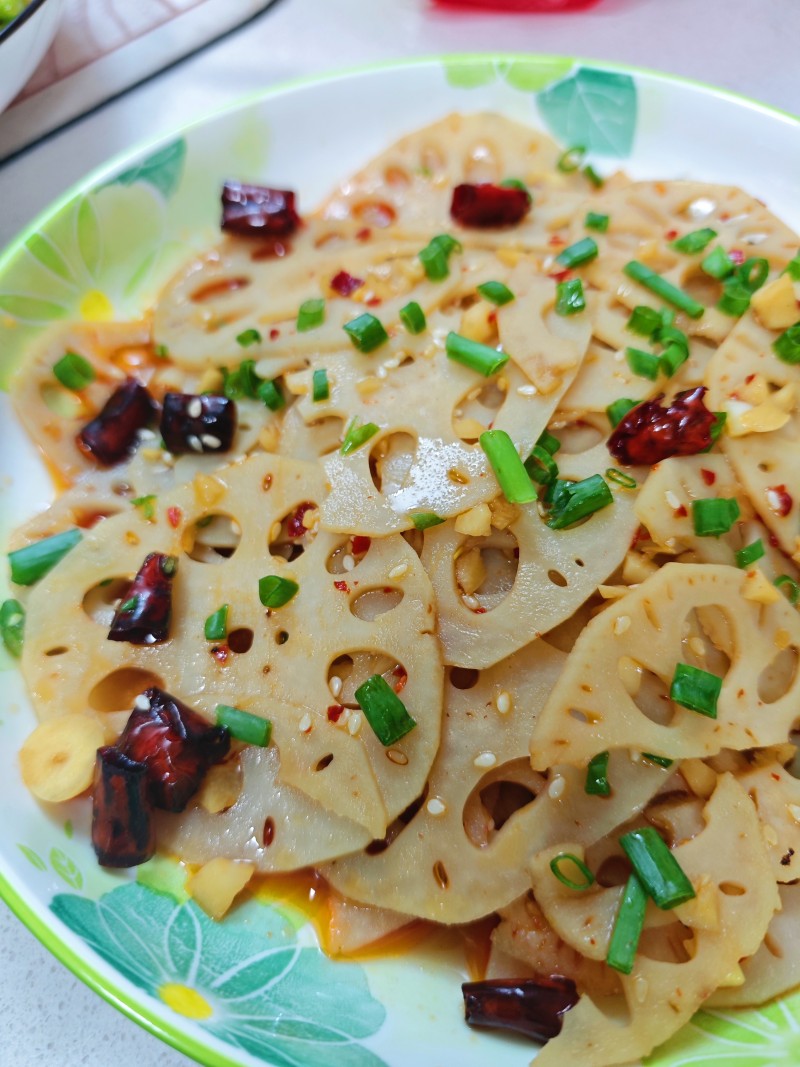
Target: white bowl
<point x="23" y="43"/>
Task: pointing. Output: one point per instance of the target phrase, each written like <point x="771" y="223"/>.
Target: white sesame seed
<point x="794" y="811"/>
<point x="381" y="372"/>
<point x="619" y="355"/>
<point x="147" y="435"/>
<point x="775" y="500"/>
<point x="335" y="684"/>
<point x="194" y="443"/>
<point x="503" y="702"/>
<point x="636" y="756"/>
<point x="194" y="409"/>
<point x="672" y="499"/>
<point x="622" y="623"/>
<point x="398" y="757"/>
<point x="391" y="364"/>
<point x="149" y="639"/>
<point x="210" y="441"/>
<point x="354" y="723"/>
<point x="142" y="703"/>
<point x="305" y="724"/>
<point x="435" y="806"/>
<point x="399" y="570"/>
<point x="527" y="390"/>
<point x="697" y="645"/>
<point x="471" y="602"/>
<point x="485" y="759"/>
<point x="557" y="787"/>
<point x="348" y="563"/>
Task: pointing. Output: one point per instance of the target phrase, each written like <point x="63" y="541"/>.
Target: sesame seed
<point x="275" y="531"/>
<point x="396" y="756"/>
<point x="354" y="723"/>
<point x="142" y="702"/>
<point x="794" y="811"/>
<point x="471" y="602"/>
<point x="194" y="443"/>
<point x="348" y="562"/>
<point x="527" y="390"/>
<point x="210" y="441"/>
<point x="399" y="570"/>
<point x="147" y="435"/>
<point x="622" y="623"/>
<point x="435" y="806"/>
<point x="194" y="409"/>
<point x="381" y="372"/>
<point x="503" y="702"/>
<point x="485" y="759"/>
<point x="391" y="364"/>
<point x="557" y="787"/>
<point x="335" y="684"/>
<point x="697" y="645"/>
<point x="672" y="499"/>
<point x="635" y="756"/>
<point x="305" y="724"/>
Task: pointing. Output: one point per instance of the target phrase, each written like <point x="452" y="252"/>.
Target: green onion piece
<point x="548" y="442"/>
<point x="73" y="371"/>
<point x="694" y="242"/>
<point x="643" y="364"/>
<point x="562" y="858"/>
<point x="540" y="466"/>
<point x="575" y="255"/>
<point x="613" y="474"/>
<point x="792" y="590"/>
<point x="644" y="320"/>
<point x="660" y="761"/>
<point x="435" y="256"/>
<point x="274" y="591"/>
<point x="216" y="627"/>
<point x="32" y="562"/>
<point x="508" y="467"/>
<point x="619" y="409"/>
<point x="672" y="359"/>
<point x="147" y="505"/>
<point x="661" y="287"/>
<point x="356" y="435"/>
<point x="248" y="337"/>
<point x="579" y="499"/>
<point x="659" y="872"/>
<point x="129" y="604"/>
<point x="787" y="346"/>
<point x="569" y="297"/>
<point x="695" y="689"/>
<point x="481" y="358"/>
<point x="310" y="315"/>
<point x="515" y="183"/>
<point x="384" y="710"/>
<point x="242" y="382"/>
<point x="792" y="268"/>
<point x="320" y="388"/>
<point x="597" y="180"/>
<point x="753" y="273"/>
<point x="161" y="351"/>
<point x="270" y="394"/>
<point x="413" y="317"/>
<point x="496" y="292"/>
<point x="718" y="264"/>
<point x="596" y="221"/>
<point x="712" y="518"/>
<point x="597" y="783"/>
<point x="735" y="299"/>
<point x="12" y="626"/>
<point x="750" y="553"/>
<point x="716" y="428"/>
<point x="251" y="729"/>
<point x="366" y="332"/>
<point x="628" y="927"/>
<point x="570" y="160"/>
<point x="423" y="520"/>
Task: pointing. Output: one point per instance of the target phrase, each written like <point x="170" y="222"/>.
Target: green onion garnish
<point x="695" y="689"/>
<point x="628" y="927"/>
<point x="320" y="388"/>
<point x="595" y="221"/>
<point x="644" y="320"/>
<point x="216" y="627"/>
<point x="12" y="626"/>
<point x="508" y="467"/>
<point x="413" y="317"/>
<point x="597" y="783"/>
<point x="667" y="334"/>
<point x="571" y="159"/>
<point x="569" y="297"/>
<point x="613" y="474"/>
<point x="575" y="255"/>
<point x="423" y="520"/>
<point x="514" y="183"/>
<point x="576" y="500"/>
<point x="712" y="518"/>
<point x="659" y="872"/>
<point x="557" y="862"/>
<point x="147" y="504"/>
<point x="787" y="346"/>
<point x="716" y="428"/>
<point x="274" y="591"/>
<point x="73" y="371"/>
<point x="384" y="710"/>
<point x="619" y="409"/>
<point x="548" y="442"/>
<point x="643" y="364"/>
<point x="366" y="332"/>
<point x="241" y="382"/>
<point x="481" y="358"/>
<point x="310" y="315"/>
<point x="718" y="264"/>
<point x="694" y="242"/>
<point x="356" y="435"/>
<point x="750" y="553"/>
<point x="597" y="180"/>
<point x="271" y="396"/>
<point x="792" y="268"/>
<point x="661" y="287"/>
<point x="435" y="256"/>
<point x="32" y="562"/>
<point x="251" y="729"/>
<point x="788" y="587"/>
<point x="248" y="337"/>
<point x="672" y="359"/>
<point x="735" y="299"/>
<point x="496" y="292"/>
<point x="161" y="351"/>
<point x="753" y="273"/>
<point x="660" y="761"/>
<point x="540" y="466"/>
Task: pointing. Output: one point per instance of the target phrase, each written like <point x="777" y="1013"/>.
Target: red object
<point x="530" y="1006"/>
<point x="709" y="477"/>
<point x="360" y="544"/>
<point x="294" y="524"/>
<point x="335" y="712"/>
<point x="174" y="516"/>
<point x="113" y="433"/>
<point x="401" y="674"/>
<point x="258" y="211"/>
<point x="142" y="617"/>
<point x="342" y="586"/>
<point x="192" y="423"/>
<point x="123" y="833"/>
<point x="649" y="433"/>
<point x="345" y="284"/>
<point x="552" y="7"/>
<point x="779" y="500"/>
<point x="486" y="205"/>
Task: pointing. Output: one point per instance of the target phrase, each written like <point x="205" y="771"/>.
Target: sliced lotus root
<point x="776" y="795"/>
<point x="736" y="899"/>
<point x="350" y="773"/>
<point x="759" y="392"/>
<point x="614" y="689"/>
<point x="548" y="573"/>
<point x="462" y="854"/>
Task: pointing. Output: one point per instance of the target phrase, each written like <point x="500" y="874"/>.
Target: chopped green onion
<point x="515" y="183"/>
<point x="753" y="273"/>
<point x="540" y="466"/>
<point x="161" y="351"/>
<point x="32" y="562"/>
<point x="274" y="591"/>
<point x="248" y="337"/>
<point x="613" y="474"/>
<point x="575" y="255"/>
<point x="787" y="346"/>
<point x="792" y="268"/>
<point x="596" y="221"/>
<point x="569" y="297"/>
<point x="496" y="292"/>
<point x="413" y="317"/>
<point x="716" y="428"/>
<point x="435" y="256"/>
<point x="660" y="761"/>
<point x="271" y="396"/>
<point x="356" y="435"/>
<point x="570" y="160"/>
<point x="481" y="358"/>
<point x="508" y="467"/>
<point x="792" y="590"/>
<point x="12" y="626"/>
<point x="644" y="320"/>
<point x="659" y="872"/>
<point x="558" y="861"/>
<point x="320" y="388"/>
<point x="661" y="287"/>
<point x="423" y="520"/>
<point x="718" y="264"/>
<point x="712" y="518"/>
<point x="241" y="382"/>
<point x="672" y="359"/>
<point x="366" y="332"/>
<point x="577" y="500"/>
<point x="671" y="335"/>
<point x="129" y="604"/>
<point x="310" y="315"/>
<point x="147" y="505"/>
<point x="735" y="299"/>
<point x="597" y="783"/>
<point x="597" y="180"/>
<point x="643" y="364"/>
<point x="750" y="553"/>
<point x="694" y="242"/>
<point x="384" y="710"/>
<point x="695" y="689"/>
<point x="73" y="371"/>
<point x="216" y="626"/>
<point x="619" y="409"/>
<point x="628" y="927"/>
<point x="251" y="729"/>
<point x="548" y="442"/>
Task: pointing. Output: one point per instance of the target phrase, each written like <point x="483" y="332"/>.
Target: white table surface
<point x="47" y="1017"/>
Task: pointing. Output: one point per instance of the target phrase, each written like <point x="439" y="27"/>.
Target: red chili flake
<point x="401" y="674"/>
<point x="360" y="544"/>
<point x="274" y="333"/>
<point x="479" y="611"/>
<point x="650" y="433"/>
<point x="256" y="211"/>
<point x="335" y="712"/>
<point x="174" y="516"/>
<point x="373" y="302"/>
<point x="294" y="524"/>
<point x="670" y="235"/>
<point x="90" y="519"/>
<point x="709" y="477"/>
<point x="780" y="501"/>
<point x="773" y="540"/>
<point x="680" y="511"/>
<point x="487" y="204"/>
<point x="343" y="587"/>
<point x="364" y="234"/>
<point x="777" y="777"/>
<point x="492" y="317"/>
<point x="560" y="275"/>
<point x="737" y="256"/>
<point x="724" y="216"/>
<point x="221" y="653"/>
<point x="270" y="249"/>
<point x="749" y="379"/>
<point x="556" y="241"/>
<point x="345" y="284"/>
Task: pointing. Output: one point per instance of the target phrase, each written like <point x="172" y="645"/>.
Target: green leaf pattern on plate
<point x="163" y="169"/>
<point x="33" y="857"/>
<point x="65" y="868"/>
<point x="594" y="108"/>
<point x="248" y="979"/>
<point x="526" y="75"/>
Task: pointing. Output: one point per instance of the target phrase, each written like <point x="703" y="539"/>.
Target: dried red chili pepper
<point x="123" y="834"/>
<point x="256" y="210"/>
<point x="530" y="1006"/>
<point x="142" y="617"/>
<point x="197" y="423"/>
<point x="650" y="433"/>
<point x="487" y="204"/>
<point x="345" y="284"/>
<point x="111" y="435"/>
